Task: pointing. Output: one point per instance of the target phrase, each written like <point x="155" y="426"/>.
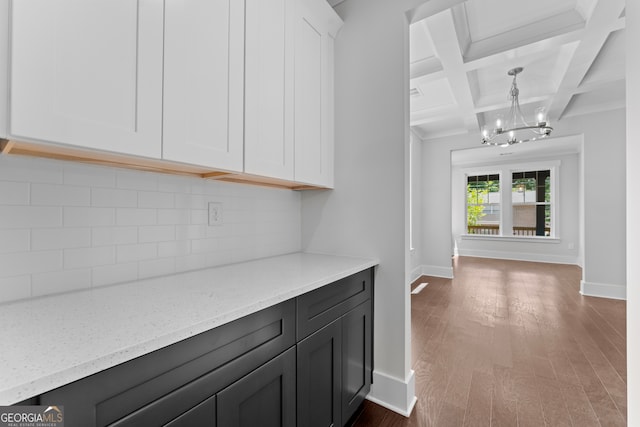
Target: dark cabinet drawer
<point x="152" y="389"/>
<point x="326" y="304"/>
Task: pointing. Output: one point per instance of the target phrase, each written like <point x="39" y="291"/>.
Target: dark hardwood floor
<point x="510" y="343"/>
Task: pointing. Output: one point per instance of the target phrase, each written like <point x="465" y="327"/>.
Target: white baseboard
<point x="522" y="256"/>
<point x="415" y="274"/>
<point x="603" y="290"/>
<point x="437" y="271"/>
<point x="394" y="394"/>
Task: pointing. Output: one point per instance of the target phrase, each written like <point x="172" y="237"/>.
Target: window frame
<point x="506" y="209"/>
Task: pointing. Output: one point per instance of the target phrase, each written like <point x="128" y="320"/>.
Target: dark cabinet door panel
<point x="203" y="415"/>
<point x="319" y="377"/>
<point x="356" y="358"/>
<point x="266" y="397"/>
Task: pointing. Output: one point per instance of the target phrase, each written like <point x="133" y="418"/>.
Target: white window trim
<point x="506" y="213"/>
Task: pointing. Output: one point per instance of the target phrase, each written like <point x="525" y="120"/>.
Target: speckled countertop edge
<point x="51" y="341"/>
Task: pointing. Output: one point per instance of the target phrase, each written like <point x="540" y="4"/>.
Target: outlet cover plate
<point x="215" y="213"/>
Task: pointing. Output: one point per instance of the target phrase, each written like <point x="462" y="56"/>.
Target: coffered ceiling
<point x="572" y="52"/>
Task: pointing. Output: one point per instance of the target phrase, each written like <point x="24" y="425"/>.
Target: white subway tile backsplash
<point x="60" y="238"/>
<point x="88" y="217"/>
<point x="30" y="216"/>
<point x="188" y="232"/>
<point x="157" y="267"/>
<point x="89" y="257"/>
<point x="174" y="184"/>
<point x="173" y="216"/>
<point x="66" y="226"/>
<point x="90" y="176"/>
<point x="113" y="197"/>
<point x="155" y="199"/>
<point x="23" y="263"/>
<point x="60" y="281"/>
<point x="27" y="169"/>
<point x="135" y="180"/>
<point x="191" y="201"/>
<point x="14" y="193"/>
<point x="137" y="252"/>
<point x="116" y="273"/>
<point x="59" y="195"/>
<point x="205" y="245"/>
<point x="174" y="248"/>
<point x="192" y="262"/>
<point x="16" y="240"/>
<point x="135" y="216"/>
<point x="104" y="236"/>
<point x="156" y="233"/>
<point x="14" y="288"/>
<point x="200" y="216"/>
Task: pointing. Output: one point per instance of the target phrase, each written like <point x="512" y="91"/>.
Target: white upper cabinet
<point x="203" y="83"/>
<point x="316" y="25"/>
<point x="268" y="110"/>
<point x="233" y="85"/>
<point x="87" y="73"/>
<point x="4" y="65"/>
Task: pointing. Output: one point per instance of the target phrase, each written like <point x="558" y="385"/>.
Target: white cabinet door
<point x="88" y="73"/>
<point x="315" y="27"/>
<point x="268" y="139"/>
<point x="203" y="83"/>
<point x="4" y="65"/>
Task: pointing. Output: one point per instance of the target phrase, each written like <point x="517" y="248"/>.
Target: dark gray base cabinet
<point x="334" y="370"/>
<point x="305" y="362"/>
<point x="334" y="363"/>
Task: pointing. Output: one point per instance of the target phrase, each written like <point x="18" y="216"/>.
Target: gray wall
<point x="633" y="207"/>
<point x="367" y="213"/>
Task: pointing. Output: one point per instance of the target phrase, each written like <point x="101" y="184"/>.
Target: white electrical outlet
<point x="215" y="213"/>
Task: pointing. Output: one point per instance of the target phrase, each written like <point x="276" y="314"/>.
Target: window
<point x="512" y="201"/>
<point x="483" y="204"/>
<point x="531" y="200"/>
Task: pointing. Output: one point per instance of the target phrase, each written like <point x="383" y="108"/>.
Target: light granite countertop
<point x="51" y="341"/>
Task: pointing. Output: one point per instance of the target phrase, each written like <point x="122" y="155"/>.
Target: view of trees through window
<point x="530" y="204"/>
<point x="483" y="204"/>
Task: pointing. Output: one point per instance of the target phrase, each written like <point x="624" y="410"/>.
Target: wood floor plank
<point x="503" y="404"/>
<point x="478" y="411"/>
<point x="553" y="405"/>
<point x="513" y="343"/>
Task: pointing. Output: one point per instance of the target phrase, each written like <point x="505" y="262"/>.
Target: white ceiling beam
<point x="424" y="67"/>
<point x="430" y="8"/>
<point x="432" y="115"/>
<point x="605" y="18"/>
<point x="554" y="26"/>
<point x="539" y="49"/>
<point x="445" y="43"/>
<point x="598" y="85"/>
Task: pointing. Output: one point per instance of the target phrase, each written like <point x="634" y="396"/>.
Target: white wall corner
<point x="437" y="271"/>
<point x="393" y="393"/>
<point x="603" y="290"/>
<point x="415" y="274"/>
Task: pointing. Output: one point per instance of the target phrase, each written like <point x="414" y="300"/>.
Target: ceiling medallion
<point x="516" y="132"/>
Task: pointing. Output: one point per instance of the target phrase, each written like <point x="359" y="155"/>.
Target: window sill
<point x="536" y="239"/>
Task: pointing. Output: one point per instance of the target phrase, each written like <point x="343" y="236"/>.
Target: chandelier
<point x="516" y="132"/>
